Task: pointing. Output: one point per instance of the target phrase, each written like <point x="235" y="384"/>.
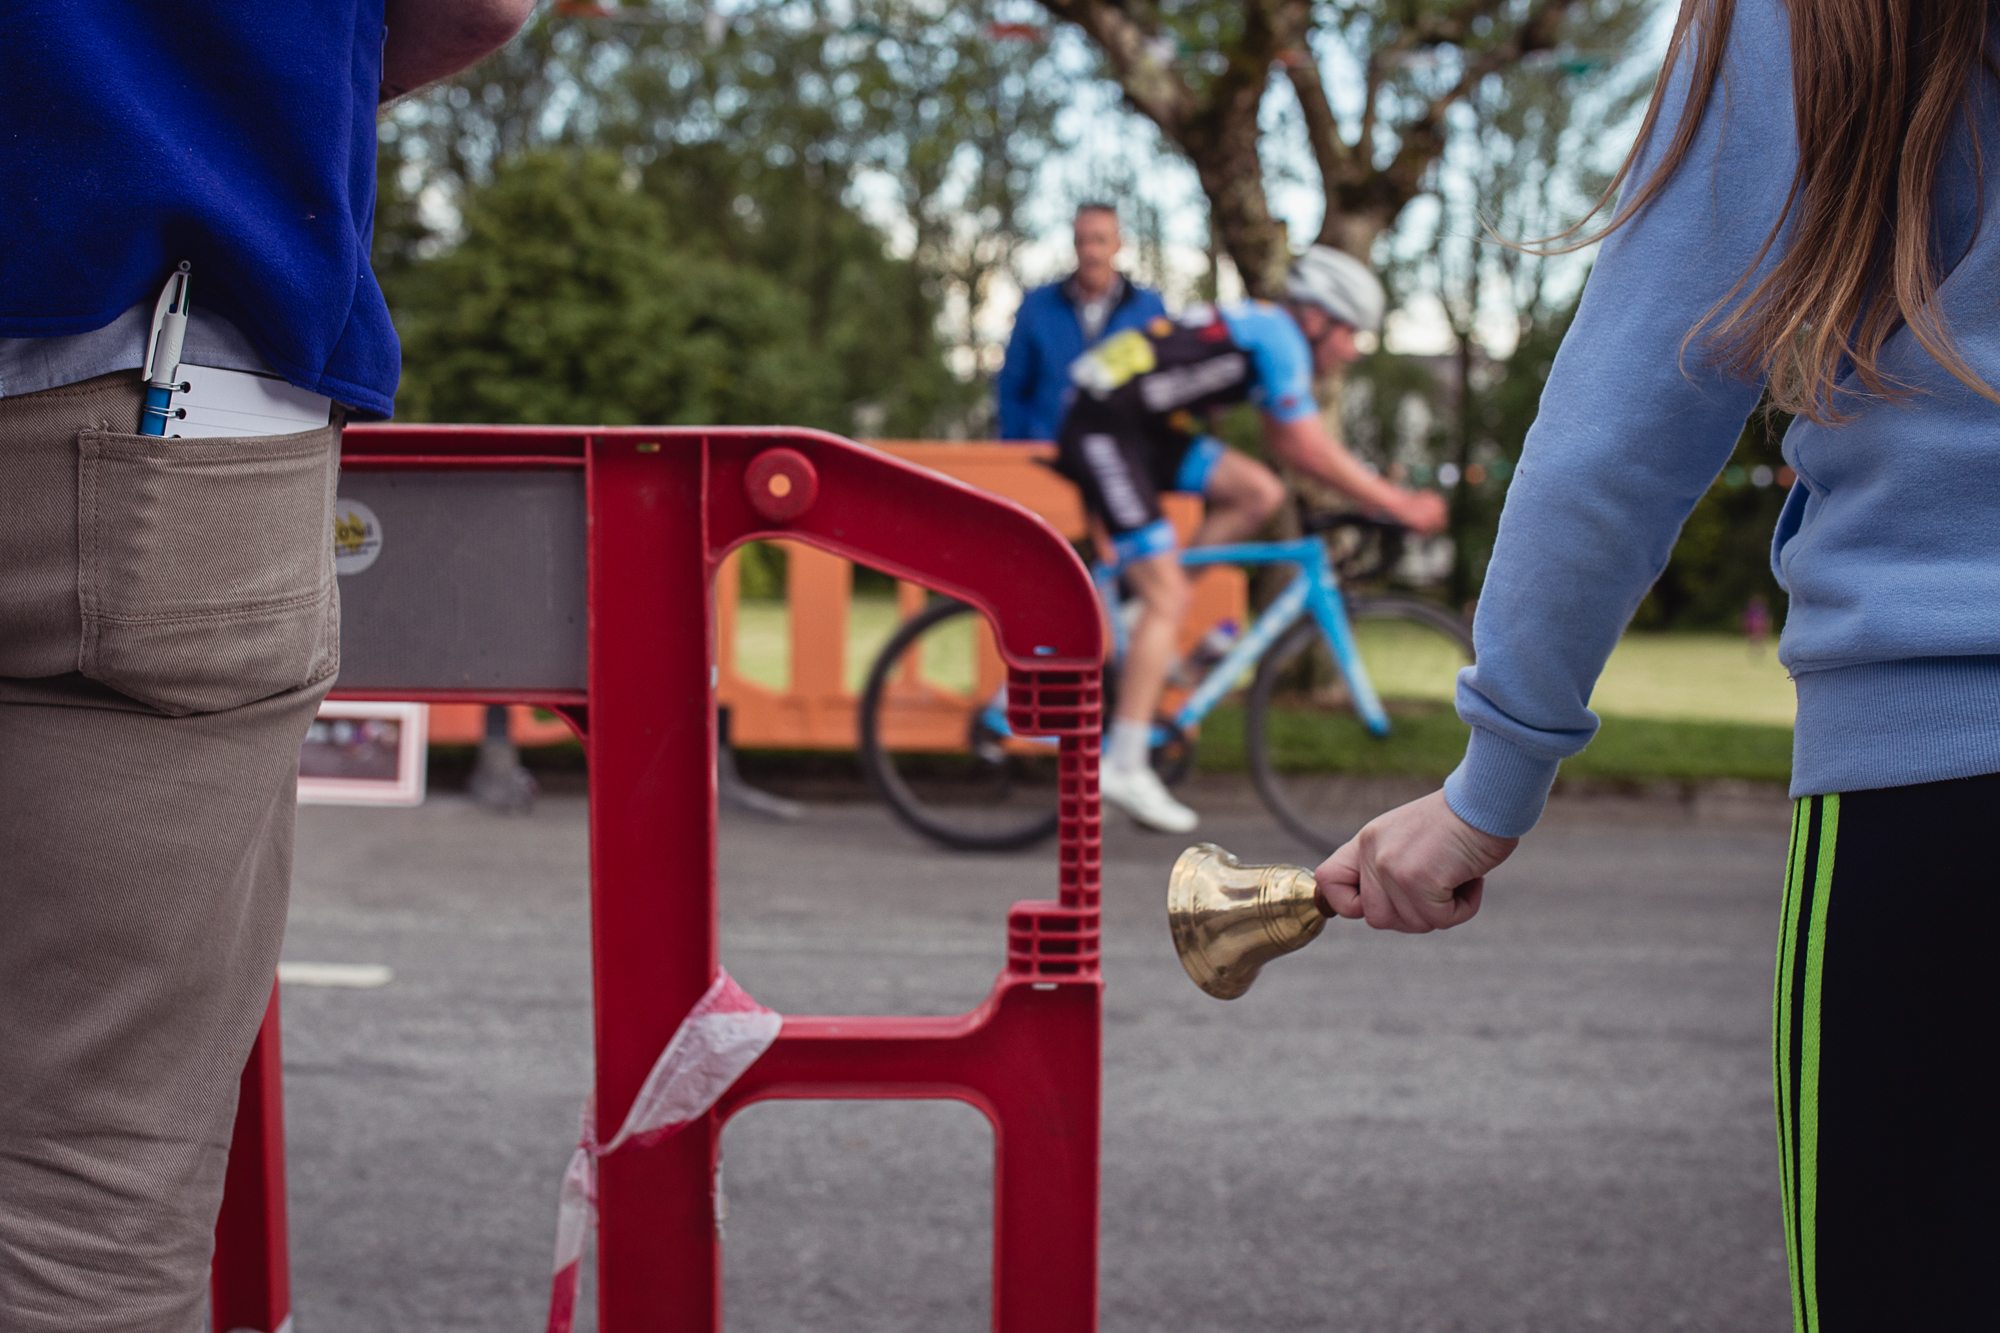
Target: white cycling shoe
<point x="1141" y="794"/>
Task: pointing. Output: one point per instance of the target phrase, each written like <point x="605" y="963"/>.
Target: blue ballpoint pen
<point x="163" y="359"/>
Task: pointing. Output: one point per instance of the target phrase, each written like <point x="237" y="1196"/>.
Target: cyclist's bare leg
<point x="1126" y="778"/>
<point x="1241" y="495"/>
<point x="1161" y="586"/>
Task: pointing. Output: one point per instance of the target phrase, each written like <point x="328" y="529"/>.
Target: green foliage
<point x="1521" y="162"/>
<point x="568" y="301"/>
<point x="870" y="319"/>
<point x="585" y="291"/>
<point x="1513" y="170"/>
<point x="1723" y="556"/>
<point x="761" y="572"/>
<point x="1406" y="414"/>
<point x="789" y="111"/>
<point x="1495" y="417"/>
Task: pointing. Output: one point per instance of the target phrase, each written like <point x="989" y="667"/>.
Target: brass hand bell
<point x="1230" y="919"/>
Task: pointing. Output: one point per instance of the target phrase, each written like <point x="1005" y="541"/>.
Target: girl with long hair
<point x="1804" y="221"/>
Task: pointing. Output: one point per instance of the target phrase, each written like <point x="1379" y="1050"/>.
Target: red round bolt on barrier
<point x="781" y="484"/>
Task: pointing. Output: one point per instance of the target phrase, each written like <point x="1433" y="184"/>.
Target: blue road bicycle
<point x="1382" y="655"/>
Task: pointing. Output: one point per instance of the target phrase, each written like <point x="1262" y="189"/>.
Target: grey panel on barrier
<point x="477" y="582"/>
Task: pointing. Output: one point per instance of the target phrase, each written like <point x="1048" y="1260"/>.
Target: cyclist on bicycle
<point x="1134" y="429"/>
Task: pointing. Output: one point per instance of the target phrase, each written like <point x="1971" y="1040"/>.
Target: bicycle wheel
<point x="928" y="746"/>
<point x="1301" y="731"/>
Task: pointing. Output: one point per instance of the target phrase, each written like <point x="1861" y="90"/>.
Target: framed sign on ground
<point x="363" y="753"/>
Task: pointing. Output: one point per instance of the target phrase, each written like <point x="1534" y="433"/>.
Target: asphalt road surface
<point x="1555" y="1118"/>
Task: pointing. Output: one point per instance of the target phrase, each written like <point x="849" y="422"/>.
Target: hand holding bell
<point x="1230" y="919"/>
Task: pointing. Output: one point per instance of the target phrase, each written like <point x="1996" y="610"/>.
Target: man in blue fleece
<point x="168" y="619"/>
<point x="1057" y="322"/>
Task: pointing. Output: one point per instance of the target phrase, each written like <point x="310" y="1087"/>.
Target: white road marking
<point x="355" y="976"/>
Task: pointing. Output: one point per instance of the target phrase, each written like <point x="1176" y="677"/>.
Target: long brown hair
<point x="1877" y="86"/>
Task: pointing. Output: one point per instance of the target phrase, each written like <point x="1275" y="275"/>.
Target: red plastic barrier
<point x="251" y="1277"/>
<point x="664" y="507"/>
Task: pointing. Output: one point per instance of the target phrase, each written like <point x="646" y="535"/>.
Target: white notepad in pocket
<point x="240" y="402"/>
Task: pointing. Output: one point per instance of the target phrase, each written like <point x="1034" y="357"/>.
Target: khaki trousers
<point x="168" y="625"/>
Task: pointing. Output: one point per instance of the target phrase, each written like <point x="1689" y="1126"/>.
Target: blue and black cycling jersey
<point x="1135" y="425"/>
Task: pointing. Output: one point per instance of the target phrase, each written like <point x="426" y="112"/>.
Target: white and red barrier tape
<point x="721" y="1037"/>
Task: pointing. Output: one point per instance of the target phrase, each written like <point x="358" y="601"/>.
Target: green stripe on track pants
<point x="1881" y="1050"/>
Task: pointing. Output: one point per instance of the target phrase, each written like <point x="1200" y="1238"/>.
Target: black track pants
<point x="1887" y="1113"/>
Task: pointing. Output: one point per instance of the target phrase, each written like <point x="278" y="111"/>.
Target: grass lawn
<point x="1705" y="677"/>
<point x="1428" y="740"/>
<point x="1675" y="706"/>
<point x="762" y="640"/>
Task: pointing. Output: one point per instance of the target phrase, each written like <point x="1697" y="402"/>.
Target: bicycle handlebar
<point x="1327" y="522"/>
<point x="1386" y="549"/>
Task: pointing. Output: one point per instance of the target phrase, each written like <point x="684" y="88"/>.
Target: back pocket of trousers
<point x="205" y="567"/>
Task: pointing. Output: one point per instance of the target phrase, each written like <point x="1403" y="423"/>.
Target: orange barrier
<point x="817" y="711"/>
<point x="465" y="724"/>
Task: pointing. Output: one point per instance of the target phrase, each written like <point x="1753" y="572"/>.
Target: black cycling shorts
<point x="1122" y="463"/>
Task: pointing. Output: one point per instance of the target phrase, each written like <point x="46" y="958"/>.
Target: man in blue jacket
<point x="168" y="614"/>
<point x="1057" y="322"/>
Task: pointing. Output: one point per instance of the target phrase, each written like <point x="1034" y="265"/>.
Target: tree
<point x="871" y="318"/>
<point x="568" y="301"/>
<point x="936" y="110"/>
<point x="1201" y="71"/>
<point x="753" y="135"/>
<point x="1518" y="166"/>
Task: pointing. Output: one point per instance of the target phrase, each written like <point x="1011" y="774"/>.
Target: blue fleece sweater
<point x="1889" y="544"/>
<point x="1032" y="390"/>
<point x="236" y="134"/>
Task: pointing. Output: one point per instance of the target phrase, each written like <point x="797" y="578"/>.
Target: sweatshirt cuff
<point x="1500" y="788"/>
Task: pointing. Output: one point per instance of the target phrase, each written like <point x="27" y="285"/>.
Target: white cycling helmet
<point x="1339" y="284"/>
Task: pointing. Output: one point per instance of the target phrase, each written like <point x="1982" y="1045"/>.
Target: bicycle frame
<point x="1313" y="591"/>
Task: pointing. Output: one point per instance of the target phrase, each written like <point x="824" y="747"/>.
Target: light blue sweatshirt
<point x="1889" y="544"/>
